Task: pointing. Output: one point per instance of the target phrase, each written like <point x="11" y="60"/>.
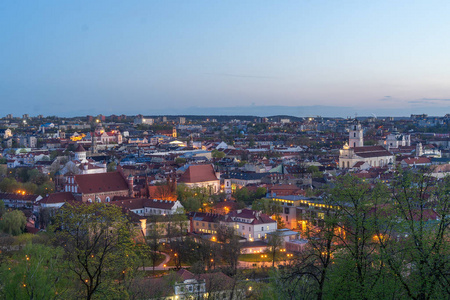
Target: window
<point x="267" y="227"/>
<point x="237" y="226"/>
<point x="262" y="228"/>
<point x="259" y="235"/>
<point x="243" y="227"/>
<point x="287" y="218"/>
<point x="90" y="200"/>
<point x="249" y="228"/>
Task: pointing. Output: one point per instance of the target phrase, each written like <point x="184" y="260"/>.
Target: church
<point x="354" y="153"/>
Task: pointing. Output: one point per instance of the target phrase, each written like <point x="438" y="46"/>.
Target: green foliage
<point x="217" y="154"/>
<point x="2" y="208"/>
<point x="193" y="198"/>
<point x="112" y="166"/>
<point x="247" y="197"/>
<point x="98" y="244"/>
<point x="36" y="272"/>
<point x="180" y="161"/>
<point x="13" y="222"/>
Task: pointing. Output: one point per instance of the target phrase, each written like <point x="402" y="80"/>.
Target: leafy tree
<point x="180" y="161"/>
<point x="354" y="201"/>
<point x="420" y="261"/>
<point x="231" y="247"/>
<point x="13" y="222"/>
<point x="98" y="246"/>
<point x="275" y="241"/>
<point x="36" y="272"/>
<point x="112" y="166"/>
<point x="154" y="234"/>
<point x="2" y="208"/>
<point x="217" y="154"/>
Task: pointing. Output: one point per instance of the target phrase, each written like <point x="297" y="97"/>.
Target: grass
<point x="255" y="257"/>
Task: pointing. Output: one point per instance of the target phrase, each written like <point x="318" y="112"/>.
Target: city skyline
<point x="179" y="57"/>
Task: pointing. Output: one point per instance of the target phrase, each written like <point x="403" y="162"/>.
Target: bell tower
<point x="356" y="135"/>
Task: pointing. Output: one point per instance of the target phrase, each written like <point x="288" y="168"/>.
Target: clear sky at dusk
<point x="87" y="57"/>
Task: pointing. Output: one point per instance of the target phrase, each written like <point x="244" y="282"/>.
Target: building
<point x="250" y="224"/>
<point x="148" y="207"/>
<point x="98" y="187"/>
<point x="355" y="152"/>
<point x="396" y="140"/>
<point x="201" y="176"/>
<point x="19" y="199"/>
<point x="187" y="285"/>
<point x="144" y="121"/>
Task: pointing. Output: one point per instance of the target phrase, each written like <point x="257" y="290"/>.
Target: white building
<point x="250" y="224"/>
<point x="354" y="152"/>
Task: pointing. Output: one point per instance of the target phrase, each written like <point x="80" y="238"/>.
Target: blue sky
<point x="87" y="57"/>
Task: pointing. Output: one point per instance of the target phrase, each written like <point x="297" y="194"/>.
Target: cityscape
<point x="219" y="207"/>
<point x="225" y="150"/>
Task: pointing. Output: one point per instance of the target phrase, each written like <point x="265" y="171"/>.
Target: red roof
<point x="100" y="183"/>
<point x="58" y="198"/>
<point x="198" y="173"/>
<point x="371" y="151"/>
<point x="80" y="148"/>
<point x="417" y="160"/>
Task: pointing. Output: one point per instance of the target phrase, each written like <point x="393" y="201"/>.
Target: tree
<point x="98" y="245"/>
<point x="275" y="242"/>
<point x="355" y="203"/>
<point x="416" y="247"/>
<point x="36" y="272"/>
<point x="218" y="154"/>
<point x="13" y="222"/>
<point x="2" y="208"/>
<point x="112" y="166"/>
<point x="231" y="247"/>
<point x="154" y="234"/>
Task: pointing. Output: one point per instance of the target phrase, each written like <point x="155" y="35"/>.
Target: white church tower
<point x="80" y="154"/>
<point x="355" y="135"/>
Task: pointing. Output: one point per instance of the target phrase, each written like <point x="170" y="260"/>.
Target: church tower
<point x="80" y="154"/>
<point x="355" y="135"/>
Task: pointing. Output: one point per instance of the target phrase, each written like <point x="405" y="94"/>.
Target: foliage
<point x="248" y="197"/>
<point x="36" y="272"/>
<point x="193" y="198"/>
<point x="2" y="208"/>
<point x="98" y="246"/>
<point x="13" y="222"/>
<point x="217" y="154"/>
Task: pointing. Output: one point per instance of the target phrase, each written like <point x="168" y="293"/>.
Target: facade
<point x="201" y="176"/>
<point x="97" y="187"/>
<point x="356" y="135"/>
<point x="354" y="152"/>
<point x="250" y="224"/>
<point x="148" y="207"/>
<point x="396" y="140"/>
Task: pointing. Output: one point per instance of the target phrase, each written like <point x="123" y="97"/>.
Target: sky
<point x="73" y="58"/>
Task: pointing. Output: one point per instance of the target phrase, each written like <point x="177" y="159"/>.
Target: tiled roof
<point x="198" y="173"/>
<point x="255" y="216"/>
<point x="80" y="148"/>
<point x="58" y="198"/>
<point x="371" y="151"/>
<point x="100" y="183"/>
<point x="136" y="203"/>
<point x="417" y="160"/>
<point x="11" y="196"/>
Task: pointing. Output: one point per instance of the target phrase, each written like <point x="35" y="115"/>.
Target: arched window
<point x="98" y="200"/>
<point x="90" y="200"/>
<point x="108" y="199"/>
